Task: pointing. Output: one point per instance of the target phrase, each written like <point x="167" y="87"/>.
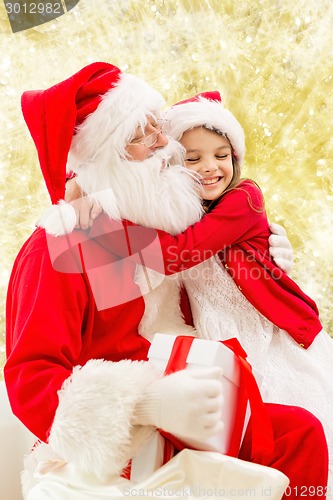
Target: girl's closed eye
<point x="192" y="159"/>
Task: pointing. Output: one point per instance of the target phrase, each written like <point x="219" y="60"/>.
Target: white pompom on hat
<point x="205" y="110"/>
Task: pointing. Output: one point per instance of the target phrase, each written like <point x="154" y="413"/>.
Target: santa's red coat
<point x="53" y="325"/>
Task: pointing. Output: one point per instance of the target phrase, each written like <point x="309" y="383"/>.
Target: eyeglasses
<point x="148" y="141"/>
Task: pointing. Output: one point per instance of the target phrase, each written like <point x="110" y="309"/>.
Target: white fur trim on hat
<point x="107" y="130"/>
<point x="208" y="113"/>
<point x="114" y="123"/>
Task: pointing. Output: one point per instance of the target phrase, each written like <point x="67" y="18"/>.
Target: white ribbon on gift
<point x="198" y="475"/>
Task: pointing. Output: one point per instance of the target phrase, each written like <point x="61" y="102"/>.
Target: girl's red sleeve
<point x="239" y="216"/>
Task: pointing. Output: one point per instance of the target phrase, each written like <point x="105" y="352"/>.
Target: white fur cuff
<point x="92" y="425"/>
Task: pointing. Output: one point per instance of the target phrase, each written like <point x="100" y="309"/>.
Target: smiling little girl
<point x="240" y="292"/>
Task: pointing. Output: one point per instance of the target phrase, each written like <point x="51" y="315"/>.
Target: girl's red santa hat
<point x="206" y="110"/>
<point x="97" y="107"/>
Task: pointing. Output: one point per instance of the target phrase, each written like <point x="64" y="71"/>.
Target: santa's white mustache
<point x="171" y="154"/>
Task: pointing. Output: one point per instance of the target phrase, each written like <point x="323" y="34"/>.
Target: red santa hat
<point x="206" y="109"/>
<point x="99" y="100"/>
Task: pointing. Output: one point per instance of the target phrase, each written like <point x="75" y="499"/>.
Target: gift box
<point x="241" y="400"/>
<point x="241" y="393"/>
<point x="206" y="353"/>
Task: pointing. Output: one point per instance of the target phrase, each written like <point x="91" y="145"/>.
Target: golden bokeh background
<point x="272" y="60"/>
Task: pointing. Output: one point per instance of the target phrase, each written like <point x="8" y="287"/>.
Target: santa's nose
<point x="161" y="141"/>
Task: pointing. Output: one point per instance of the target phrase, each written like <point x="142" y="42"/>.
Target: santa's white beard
<point x="151" y="193"/>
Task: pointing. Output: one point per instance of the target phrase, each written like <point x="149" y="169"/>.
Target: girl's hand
<point x="280" y="248"/>
<point x="85" y="209"/>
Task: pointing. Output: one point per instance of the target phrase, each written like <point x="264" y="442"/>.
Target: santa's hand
<point x="187" y="404"/>
<point x="86" y="210"/>
<point x="280" y="248"/>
